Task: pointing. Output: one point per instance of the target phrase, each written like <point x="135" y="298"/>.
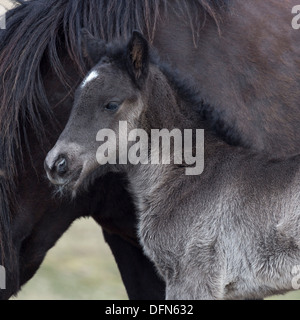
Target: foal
<point x="230" y="233"/>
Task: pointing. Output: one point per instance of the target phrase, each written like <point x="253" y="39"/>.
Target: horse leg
<point x="42" y="238"/>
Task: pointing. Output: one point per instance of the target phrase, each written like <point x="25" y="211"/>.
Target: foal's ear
<point x="93" y="49"/>
<point x="138" y="57"/>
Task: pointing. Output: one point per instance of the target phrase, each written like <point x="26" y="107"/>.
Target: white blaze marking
<point x="93" y="75"/>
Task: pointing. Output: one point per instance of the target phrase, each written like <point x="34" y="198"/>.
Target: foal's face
<point x="107" y="96"/>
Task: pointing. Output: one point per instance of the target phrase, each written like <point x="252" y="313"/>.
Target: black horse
<point x="246" y="67"/>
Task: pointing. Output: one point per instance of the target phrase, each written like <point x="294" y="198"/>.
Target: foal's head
<point x="113" y="91"/>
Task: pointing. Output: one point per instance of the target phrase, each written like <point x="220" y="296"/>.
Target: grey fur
<point x="231" y="233"/>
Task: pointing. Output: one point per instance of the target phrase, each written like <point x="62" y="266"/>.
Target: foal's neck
<point x="168" y="109"/>
<point x="165" y="109"/>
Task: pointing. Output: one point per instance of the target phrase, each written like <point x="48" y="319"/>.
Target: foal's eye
<point x="112" y="106"/>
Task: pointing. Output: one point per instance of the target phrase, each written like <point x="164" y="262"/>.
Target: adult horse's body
<point x="244" y="55"/>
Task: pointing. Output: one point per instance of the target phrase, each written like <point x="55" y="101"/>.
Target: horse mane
<point x="189" y="92"/>
<point x="37" y="30"/>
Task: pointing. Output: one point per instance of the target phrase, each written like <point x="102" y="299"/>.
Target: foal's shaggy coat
<point x="231" y="233"/>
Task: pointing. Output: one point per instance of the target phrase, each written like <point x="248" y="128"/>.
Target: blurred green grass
<point x="81" y="267"/>
<point x="290" y="296"/>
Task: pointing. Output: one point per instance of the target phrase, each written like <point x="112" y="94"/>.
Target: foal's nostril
<point x="61" y="166"/>
<point x="57" y="167"/>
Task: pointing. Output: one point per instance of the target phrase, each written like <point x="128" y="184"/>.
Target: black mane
<point x="36" y="32"/>
<point x="189" y="92"/>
